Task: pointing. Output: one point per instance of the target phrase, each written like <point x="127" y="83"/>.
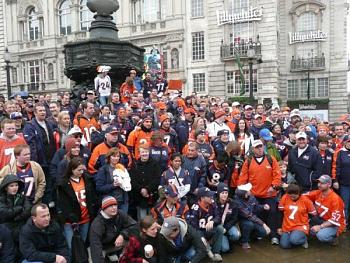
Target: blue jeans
<point x="189" y="254"/>
<point x="326" y="235"/>
<point x="142" y="212"/>
<point x="270" y="217"/>
<point x="232" y="234"/>
<point x="68" y="233"/>
<point x="248" y="227"/>
<point x="103" y="100"/>
<point x="294" y="238"/>
<point x="216" y="236"/>
<point x="123" y="207"/>
<point x="344" y="192"/>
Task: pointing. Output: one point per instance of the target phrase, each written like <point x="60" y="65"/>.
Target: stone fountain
<point x="102" y="48"/>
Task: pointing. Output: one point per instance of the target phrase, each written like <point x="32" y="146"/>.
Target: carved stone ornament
<point x="103" y="7"/>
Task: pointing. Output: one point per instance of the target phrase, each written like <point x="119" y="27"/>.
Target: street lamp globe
<point x="251" y="52"/>
<point x="7" y="56"/>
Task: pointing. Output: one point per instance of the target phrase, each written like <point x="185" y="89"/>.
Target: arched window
<point x="33" y="24"/>
<point x="307" y="22"/>
<point x="174" y="58"/>
<point x="50" y="71"/>
<point x="65" y="17"/>
<point x="85" y="16"/>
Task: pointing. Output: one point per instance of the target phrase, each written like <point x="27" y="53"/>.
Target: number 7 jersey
<point x="296" y="213"/>
<point x="330" y="208"/>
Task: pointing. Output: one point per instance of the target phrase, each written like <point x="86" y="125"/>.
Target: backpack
<point x="269" y="159"/>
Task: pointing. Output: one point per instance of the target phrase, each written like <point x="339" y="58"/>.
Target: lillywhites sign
<point x="311" y="36"/>
<point x="229" y="17"/>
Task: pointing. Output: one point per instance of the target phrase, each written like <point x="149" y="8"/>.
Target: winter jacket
<point x="7" y="248"/>
<point x="42" y="148"/>
<point x="197" y="169"/>
<point x="39" y="178"/>
<point x="343" y="167"/>
<point x="306" y="168"/>
<point x="145" y="175"/>
<point x="103" y="233"/>
<point x="249" y="208"/>
<point x="160" y="155"/>
<point x="14" y="209"/>
<point x="327" y="161"/>
<point x="255" y="131"/>
<point x="232" y="213"/>
<point x="168" y="251"/>
<point x="219" y="146"/>
<point x="68" y="205"/>
<point x="42" y="244"/>
<point x="104" y="185"/>
<point x="182" y="130"/>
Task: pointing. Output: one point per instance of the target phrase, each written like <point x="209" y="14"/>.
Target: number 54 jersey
<point x="296" y="213"/>
<point x="329" y="207"/>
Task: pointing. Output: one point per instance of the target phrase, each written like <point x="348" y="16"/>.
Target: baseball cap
<point x="257" y="143"/>
<point x="147" y="117"/>
<point x="256" y="116"/>
<point x="198" y="132"/>
<point x="219" y="114"/>
<point x="90" y="92"/>
<point x="295" y="113"/>
<point x="74" y="130"/>
<point x="301" y="135"/>
<point x="104" y="119"/>
<point x="245" y="187"/>
<point x="171" y="191"/>
<point x="246" y="107"/>
<point x="163" y="118"/>
<point x="265" y="134"/>
<point x="147" y="107"/>
<point x="169" y="225"/>
<point x="325" y="179"/>
<point x="205" y="192"/>
<point x="222" y="187"/>
<point x="15" y="115"/>
<point x="222" y="132"/>
<point x="235" y="104"/>
<point x="112" y="129"/>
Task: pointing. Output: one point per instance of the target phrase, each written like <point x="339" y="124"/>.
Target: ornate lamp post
<point x="7" y="58"/>
<point x="251" y="56"/>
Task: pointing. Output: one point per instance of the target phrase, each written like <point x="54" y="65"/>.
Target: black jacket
<point x="68" y="204"/>
<point x="14" y="209"/>
<point x="232" y="213"/>
<point x="42" y="245"/>
<point x="7" y="248"/>
<point x="145" y="175"/>
<point x="103" y="233"/>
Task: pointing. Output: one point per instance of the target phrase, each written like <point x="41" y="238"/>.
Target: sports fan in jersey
<point x="161" y="84"/>
<point x="296" y="209"/>
<point x="103" y="84"/>
<point x="8" y="140"/>
<point x="86" y="122"/>
<point x="29" y="172"/>
<point x="330" y="222"/>
<point x="170" y="135"/>
<point x="218" y="171"/>
<point x="126" y="90"/>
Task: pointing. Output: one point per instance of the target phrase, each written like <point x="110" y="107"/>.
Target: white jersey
<point x="103" y="85"/>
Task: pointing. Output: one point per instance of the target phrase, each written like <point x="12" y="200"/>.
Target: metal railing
<point x="307" y="64"/>
<point x="229" y="51"/>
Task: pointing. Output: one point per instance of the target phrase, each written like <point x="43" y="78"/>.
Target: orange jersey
<point x="330" y="208"/>
<point x="86" y="125"/>
<point x="6" y="149"/>
<point x="136" y="138"/>
<point x="261" y="176"/>
<point x="296" y="213"/>
<point x="125" y="92"/>
<point x="79" y="190"/>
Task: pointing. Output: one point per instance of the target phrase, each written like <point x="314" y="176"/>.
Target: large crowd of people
<point x="147" y="175"/>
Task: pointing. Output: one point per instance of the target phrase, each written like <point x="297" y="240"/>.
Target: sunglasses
<point x="76" y="136"/>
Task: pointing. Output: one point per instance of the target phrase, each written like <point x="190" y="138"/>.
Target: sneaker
<point x="335" y="242"/>
<point x="305" y="245"/>
<point x="216" y="258"/>
<point x="275" y="241"/>
<point x="246" y="245"/>
<point x="113" y="258"/>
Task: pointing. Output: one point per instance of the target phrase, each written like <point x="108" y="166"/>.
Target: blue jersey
<point x="26" y="175"/>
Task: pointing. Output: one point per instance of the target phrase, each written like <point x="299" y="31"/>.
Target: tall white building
<point x="300" y="46"/>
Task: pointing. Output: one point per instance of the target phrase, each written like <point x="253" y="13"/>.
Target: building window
<point x="85" y="16"/>
<point x="65" y="18"/>
<point x="197" y="8"/>
<point x="33" y="24"/>
<point x="24" y="72"/>
<point x="231" y="88"/>
<point x="303" y="88"/>
<point x="14" y="74"/>
<point x="199" y="82"/>
<point x="322" y="87"/>
<point x="238" y="5"/>
<point x="151" y="10"/>
<point x="293" y="89"/>
<point x="307" y="22"/>
<point x="34" y="72"/>
<point x="50" y="71"/>
<point x="165" y="60"/>
<point x="198" y="46"/>
<point x="174" y="58"/>
<point x="246" y="80"/>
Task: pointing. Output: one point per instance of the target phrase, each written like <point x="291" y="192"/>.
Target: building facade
<point x="299" y="47"/>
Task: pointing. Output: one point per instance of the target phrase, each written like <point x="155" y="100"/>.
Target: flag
<point x="241" y="74"/>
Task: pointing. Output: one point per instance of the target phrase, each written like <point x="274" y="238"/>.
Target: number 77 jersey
<point x="296" y="213"/>
<point x="329" y="207"/>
